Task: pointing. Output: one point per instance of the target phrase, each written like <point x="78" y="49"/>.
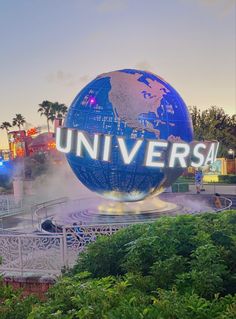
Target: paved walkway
<point x="23" y="221"/>
<point x="227" y="189"/>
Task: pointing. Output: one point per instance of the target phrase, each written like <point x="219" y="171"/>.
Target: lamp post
<point x="231" y="153"/>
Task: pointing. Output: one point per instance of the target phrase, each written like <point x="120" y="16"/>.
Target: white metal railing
<point x="212" y="188"/>
<point x="9" y="205"/>
<point x="225" y="202"/>
<point x="43" y="253"/>
<point x="41" y="211"/>
<point x="31" y="253"/>
<point x="47" y="254"/>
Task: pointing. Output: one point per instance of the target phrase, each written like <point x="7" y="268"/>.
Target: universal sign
<point x="158" y="153"/>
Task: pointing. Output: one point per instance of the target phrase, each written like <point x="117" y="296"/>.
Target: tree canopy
<point x="215" y="124"/>
<point x="175" y="268"/>
<point x="18" y="121"/>
<point x="52" y="110"/>
<point x="5" y="126"/>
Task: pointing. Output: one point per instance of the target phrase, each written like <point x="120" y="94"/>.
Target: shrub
<point x="175" y="268"/>
<point x="106" y="258"/>
<point x="194" y="253"/>
<point x="12" y="303"/>
<point x="115" y="297"/>
<point x="230" y="179"/>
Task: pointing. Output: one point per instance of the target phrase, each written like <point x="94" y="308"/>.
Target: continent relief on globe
<point x="131" y="104"/>
<point x="130" y="98"/>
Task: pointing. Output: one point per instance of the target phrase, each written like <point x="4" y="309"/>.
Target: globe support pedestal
<point x="148" y="205"/>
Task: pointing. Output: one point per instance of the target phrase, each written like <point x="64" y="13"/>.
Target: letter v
<point x="127" y="158"/>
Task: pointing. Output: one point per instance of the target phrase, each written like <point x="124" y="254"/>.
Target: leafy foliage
<point x="193" y="253"/>
<point x="52" y="110"/>
<point x="106" y="258"/>
<point x="5" y="126"/>
<point x="215" y="124"/>
<point x="18" y="121"/>
<point x="12" y="303"/>
<point x="176" y="268"/>
<point x="109" y="297"/>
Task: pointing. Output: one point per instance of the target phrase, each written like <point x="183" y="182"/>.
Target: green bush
<point x="229" y="179"/>
<point x="106" y="258"/>
<point x="175" y="268"/>
<point x="180" y="187"/>
<point x="192" y="253"/>
<point x="186" y="178"/>
<point x="13" y="305"/>
<point x="114" y="298"/>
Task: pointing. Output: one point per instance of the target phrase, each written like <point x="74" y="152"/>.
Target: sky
<point x="50" y="49"/>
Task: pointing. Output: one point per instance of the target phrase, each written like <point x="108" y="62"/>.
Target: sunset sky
<point x="50" y="49"/>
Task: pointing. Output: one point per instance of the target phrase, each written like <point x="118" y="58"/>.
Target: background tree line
<point x="210" y="124"/>
<point x="50" y="110"/>
<point x="214" y="124"/>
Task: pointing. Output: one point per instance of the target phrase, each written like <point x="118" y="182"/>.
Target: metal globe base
<point x="149" y="205"/>
<point x="92" y="211"/>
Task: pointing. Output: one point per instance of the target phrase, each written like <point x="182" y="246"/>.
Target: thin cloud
<point x="66" y="78"/>
<point x="225" y="7"/>
<point x="59" y="76"/>
<point x="108" y="6"/>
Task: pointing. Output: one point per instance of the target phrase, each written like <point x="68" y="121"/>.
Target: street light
<point x="231" y="152"/>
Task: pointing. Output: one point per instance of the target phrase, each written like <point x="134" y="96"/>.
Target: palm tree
<point x="61" y="110"/>
<point x="18" y="120"/>
<point x="58" y="111"/>
<point x="5" y="126"/>
<point x="45" y="109"/>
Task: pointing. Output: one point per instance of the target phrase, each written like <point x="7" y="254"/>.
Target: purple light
<point x="92" y="100"/>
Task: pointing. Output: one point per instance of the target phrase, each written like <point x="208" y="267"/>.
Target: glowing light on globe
<point x="134" y="105"/>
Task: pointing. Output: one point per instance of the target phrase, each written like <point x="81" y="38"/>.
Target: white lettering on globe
<point x="179" y="154"/>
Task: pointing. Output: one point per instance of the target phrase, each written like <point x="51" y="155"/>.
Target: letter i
<point x="107" y="148"/>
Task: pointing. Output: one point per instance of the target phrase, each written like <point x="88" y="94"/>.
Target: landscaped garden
<point x="175" y="268"/>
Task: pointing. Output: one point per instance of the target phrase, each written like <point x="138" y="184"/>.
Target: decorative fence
<point x="43" y="253"/>
<point x="31" y="253"/>
<point x="47" y="254"/>
<point x="41" y="211"/>
<point x="226" y="204"/>
<point x="9" y="205"/>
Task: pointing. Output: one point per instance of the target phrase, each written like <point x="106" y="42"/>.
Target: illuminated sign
<point x="32" y="131"/>
<point x="17" y="143"/>
<point x="158" y="153"/>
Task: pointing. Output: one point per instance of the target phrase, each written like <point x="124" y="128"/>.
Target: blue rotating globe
<point x="132" y="104"/>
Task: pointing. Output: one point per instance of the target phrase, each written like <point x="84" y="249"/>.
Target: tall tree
<point x="215" y="124"/>
<point x="5" y="126"/>
<point x="58" y="111"/>
<point x="45" y="109"/>
<point x="18" y="121"/>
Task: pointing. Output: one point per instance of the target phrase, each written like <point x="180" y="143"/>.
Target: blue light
<point x="1" y="161"/>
